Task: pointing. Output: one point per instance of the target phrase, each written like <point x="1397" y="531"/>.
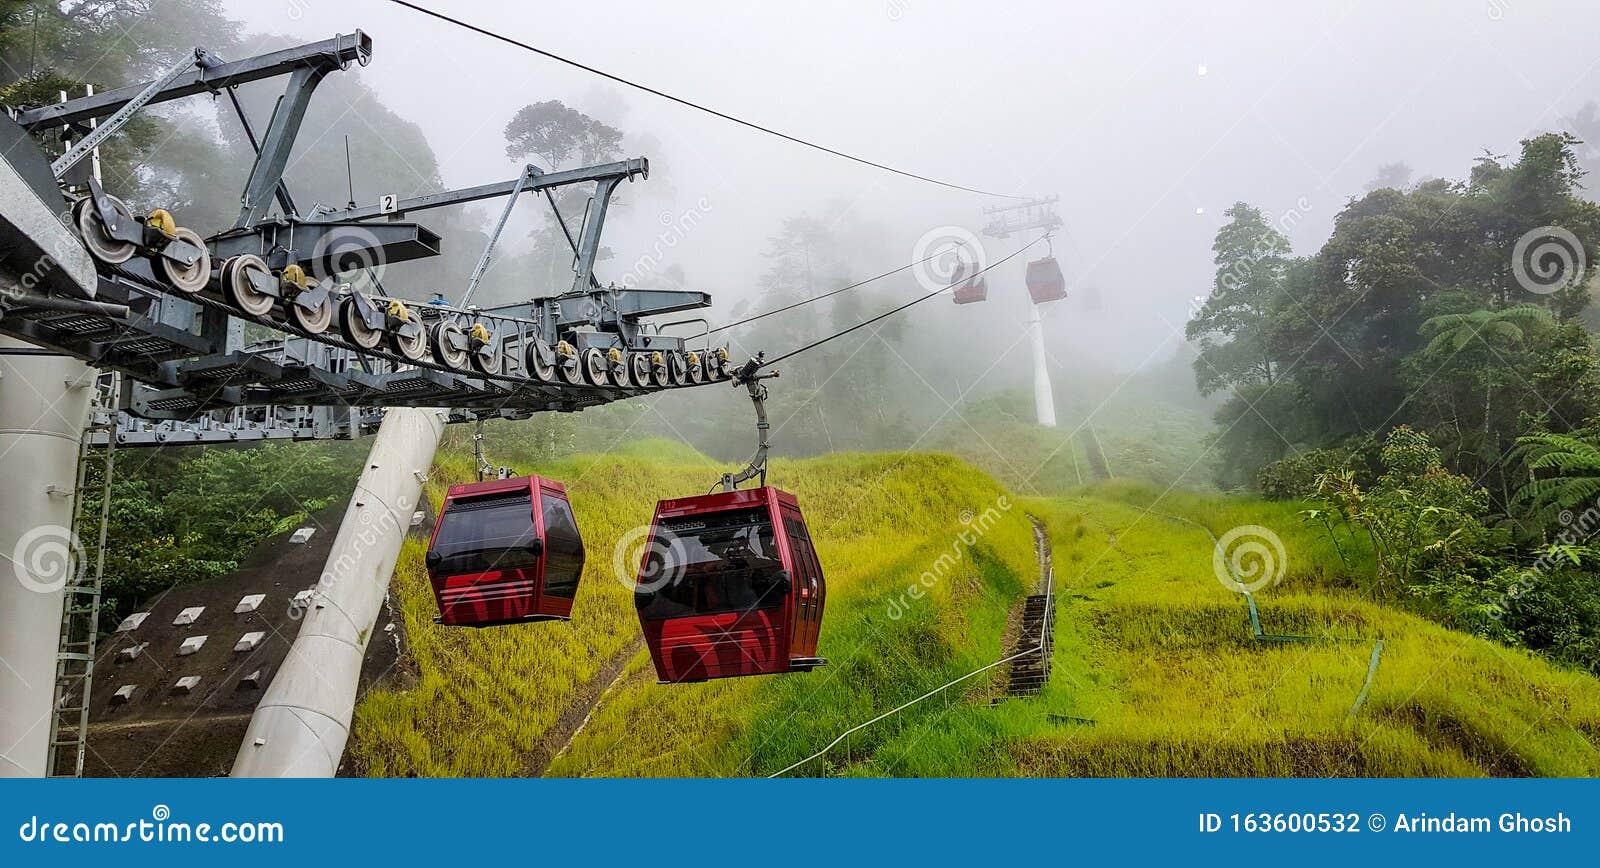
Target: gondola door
<point x="563" y="551"/>
<point x="810" y="589"/>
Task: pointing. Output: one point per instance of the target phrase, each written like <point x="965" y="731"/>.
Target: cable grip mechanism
<point x="749" y="375"/>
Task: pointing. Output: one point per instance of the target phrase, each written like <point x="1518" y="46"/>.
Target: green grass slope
<point x="1182" y="689"/>
<point x="927" y="560"/>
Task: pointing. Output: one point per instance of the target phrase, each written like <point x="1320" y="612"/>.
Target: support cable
<point x="891" y="312"/>
<point x="694" y="105"/>
<point x="828" y="294"/>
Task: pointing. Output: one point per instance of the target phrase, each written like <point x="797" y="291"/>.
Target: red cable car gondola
<point x="1045" y="282"/>
<point x="973" y="285"/>
<point x="730" y="583"/>
<point x="505" y="551"/>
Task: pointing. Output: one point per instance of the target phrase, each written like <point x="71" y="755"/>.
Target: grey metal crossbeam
<point x="625" y="169"/>
<point x="327" y="55"/>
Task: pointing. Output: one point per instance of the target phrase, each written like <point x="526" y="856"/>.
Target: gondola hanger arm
<point x="750" y="376"/>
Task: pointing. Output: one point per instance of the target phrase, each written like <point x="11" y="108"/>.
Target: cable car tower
<point x="1045" y="283"/>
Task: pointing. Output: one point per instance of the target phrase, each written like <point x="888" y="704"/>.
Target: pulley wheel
<point x="314" y="321"/>
<point x="101" y="245"/>
<point x="571" y="368"/>
<point x="697" y="370"/>
<point x="677" y="368"/>
<point x="658" y="370"/>
<point x="354" y="328"/>
<point x="414" y="346"/>
<point x="238" y="289"/>
<point x="595" y="367"/>
<point x="618" y="369"/>
<point x="539" y="360"/>
<point x="193" y="277"/>
<point x="489" y="361"/>
<point x="640" y="368"/>
<point x="444" y="351"/>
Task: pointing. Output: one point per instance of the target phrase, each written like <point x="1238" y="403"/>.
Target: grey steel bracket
<point x="749" y="375"/>
<point x="114" y="124"/>
<point x="327" y="55"/>
<point x="312" y="297"/>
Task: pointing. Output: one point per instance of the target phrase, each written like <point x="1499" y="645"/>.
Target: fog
<point x="1147" y="119"/>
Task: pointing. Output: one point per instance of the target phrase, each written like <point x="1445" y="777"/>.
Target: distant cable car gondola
<point x="973" y="285"/>
<point x="730" y="583"/>
<point x="505" y="551"/>
<point x="1045" y="282"/>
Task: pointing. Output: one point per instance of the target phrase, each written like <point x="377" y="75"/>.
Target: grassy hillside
<point x="1183" y="689"/>
<point x="1150" y="647"/>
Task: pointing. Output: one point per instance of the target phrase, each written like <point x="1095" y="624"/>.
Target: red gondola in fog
<point x="1045" y="282"/>
<point x="973" y="286"/>
<point x="730" y="585"/>
<point x="505" y="551"/>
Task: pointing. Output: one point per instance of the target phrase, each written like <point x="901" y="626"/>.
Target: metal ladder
<point x="80" y="614"/>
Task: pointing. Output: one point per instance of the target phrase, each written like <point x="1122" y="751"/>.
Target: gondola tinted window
<point x="720" y="562"/>
<point x="481" y="534"/>
<point x="563" y="548"/>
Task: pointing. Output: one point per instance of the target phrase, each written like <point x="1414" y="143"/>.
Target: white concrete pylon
<point x="1044" y="399"/>
<point x="44" y="406"/>
<point x="302" y="723"/>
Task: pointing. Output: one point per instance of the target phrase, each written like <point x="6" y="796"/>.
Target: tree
<point x="1391" y="176"/>
<point x="1585" y="125"/>
<point x="1415" y="311"/>
<point x="1485" y="376"/>
<point x="1231" y="327"/>
<point x="554" y="133"/>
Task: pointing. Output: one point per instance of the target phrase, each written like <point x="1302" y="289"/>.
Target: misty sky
<point x="1148" y="119"/>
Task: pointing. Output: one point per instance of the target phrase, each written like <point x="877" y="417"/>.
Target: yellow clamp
<point x="722" y="354"/>
<point x="161" y="219"/>
<point x="565" y="349"/>
<point x="293" y="273"/>
<point x="615" y="355"/>
<point x="694" y="358"/>
<point x="479" y="332"/>
<point x="656" y="358"/>
<point x="397" y="309"/>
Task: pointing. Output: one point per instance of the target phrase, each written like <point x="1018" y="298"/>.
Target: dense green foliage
<point x="1428" y="379"/>
<point x="1411" y="313"/>
<point x="183" y="516"/>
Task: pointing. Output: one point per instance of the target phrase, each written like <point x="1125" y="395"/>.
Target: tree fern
<point x="1566" y="471"/>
